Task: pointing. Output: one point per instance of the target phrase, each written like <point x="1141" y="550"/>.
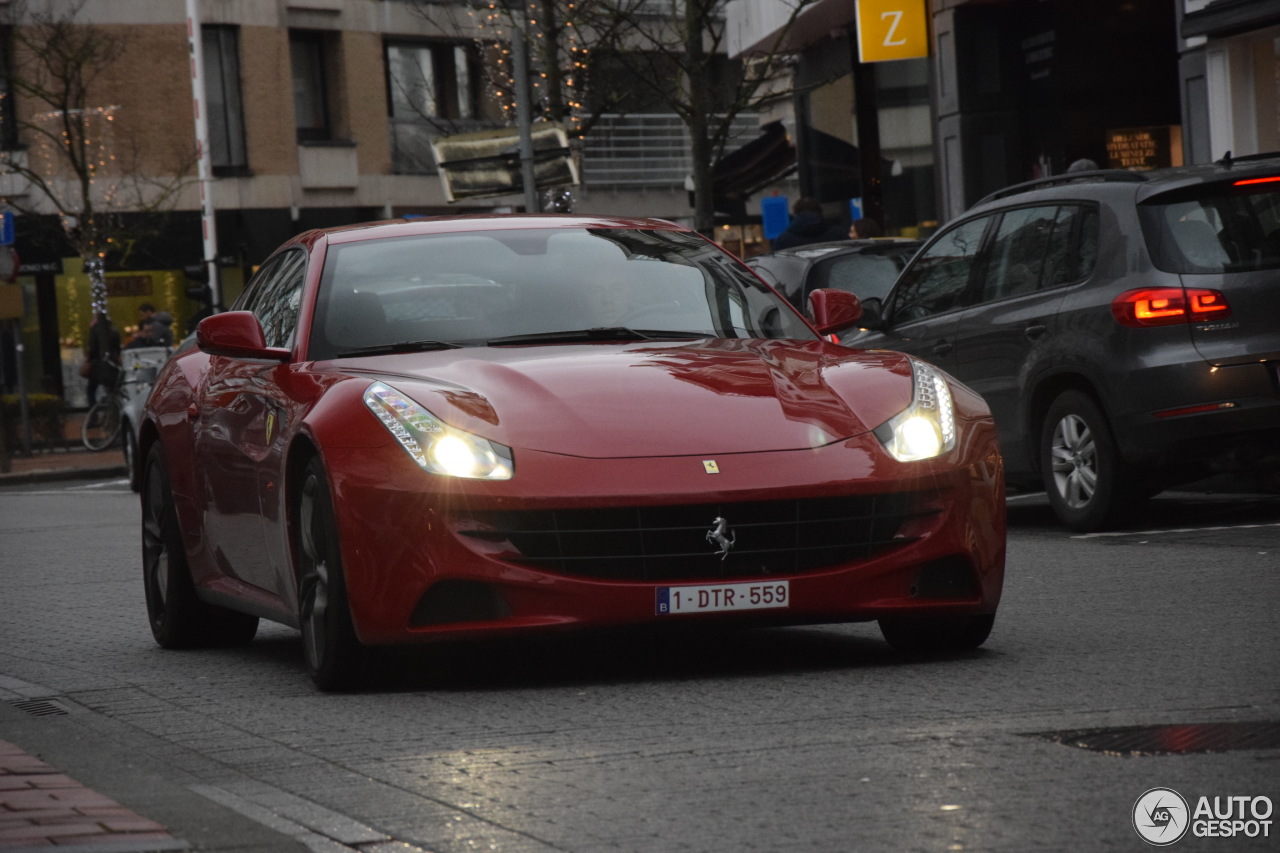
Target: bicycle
<point x="101" y="425"/>
<point x="117" y="413"/>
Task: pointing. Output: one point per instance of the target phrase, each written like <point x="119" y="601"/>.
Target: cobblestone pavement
<point x="807" y="739"/>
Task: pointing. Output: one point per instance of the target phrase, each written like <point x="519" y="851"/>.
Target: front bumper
<point x="414" y="572"/>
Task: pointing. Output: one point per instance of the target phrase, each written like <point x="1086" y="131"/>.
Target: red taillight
<point x="1168" y="306"/>
<point x="1248" y="181"/>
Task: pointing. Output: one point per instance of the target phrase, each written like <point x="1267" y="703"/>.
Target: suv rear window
<point x="1214" y="229"/>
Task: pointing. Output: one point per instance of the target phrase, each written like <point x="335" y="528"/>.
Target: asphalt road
<point x="808" y="739"/>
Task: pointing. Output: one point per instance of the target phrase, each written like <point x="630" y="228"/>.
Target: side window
<point x="1074" y="249"/>
<point x="939" y="277"/>
<point x="274" y="296"/>
<point x="277" y="309"/>
<point x="1019" y="251"/>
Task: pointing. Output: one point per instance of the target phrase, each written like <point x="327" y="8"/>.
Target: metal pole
<point x="520" y="59"/>
<point x="24" y="408"/>
<point x="208" y="222"/>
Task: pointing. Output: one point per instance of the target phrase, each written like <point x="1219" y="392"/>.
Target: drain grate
<point x="1171" y="739"/>
<point x="41" y="708"/>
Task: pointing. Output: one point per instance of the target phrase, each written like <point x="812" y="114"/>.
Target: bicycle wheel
<point x="102" y="424"/>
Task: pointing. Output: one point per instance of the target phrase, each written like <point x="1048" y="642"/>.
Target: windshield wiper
<point x="402" y="346"/>
<point x="601" y="333"/>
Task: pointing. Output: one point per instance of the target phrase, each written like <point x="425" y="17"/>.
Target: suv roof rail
<point x="1093" y="176"/>
<point x="1228" y="161"/>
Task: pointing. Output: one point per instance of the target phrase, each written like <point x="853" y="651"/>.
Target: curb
<point x="49" y="475"/>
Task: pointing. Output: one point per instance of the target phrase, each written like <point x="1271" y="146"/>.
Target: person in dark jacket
<point x="807" y="226"/>
<point x="103" y="356"/>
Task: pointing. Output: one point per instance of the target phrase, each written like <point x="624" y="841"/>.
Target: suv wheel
<point x="1087" y="481"/>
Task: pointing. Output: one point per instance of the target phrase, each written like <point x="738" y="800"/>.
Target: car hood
<point x="689" y="398"/>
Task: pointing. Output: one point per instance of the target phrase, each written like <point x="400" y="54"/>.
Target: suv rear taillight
<point x="1169" y="306"/>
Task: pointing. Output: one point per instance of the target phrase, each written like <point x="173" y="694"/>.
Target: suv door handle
<point x="1035" y="330"/>
<point x="943" y="347"/>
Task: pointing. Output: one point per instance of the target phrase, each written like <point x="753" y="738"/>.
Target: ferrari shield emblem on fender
<point x="721" y="535"/>
<point x="710" y="466"/>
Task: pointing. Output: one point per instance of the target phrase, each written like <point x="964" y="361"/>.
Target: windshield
<point x="1215" y="229"/>
<point x="509" y="287"/>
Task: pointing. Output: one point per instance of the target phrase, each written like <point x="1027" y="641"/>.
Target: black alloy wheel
<point x="1088" y="484"/>
<point x="335" y="658"/>
<point x="936" y="634"/>
<point x="179" y="619"/>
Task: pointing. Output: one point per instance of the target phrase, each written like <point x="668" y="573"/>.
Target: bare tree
<point x="672" y="51"/>
<point x="680" y="59"/>
<point x="71" y="151"/>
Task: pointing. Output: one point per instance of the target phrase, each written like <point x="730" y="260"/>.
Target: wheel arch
<point x="1046" y="391"/>
<point x="301" y="452"/>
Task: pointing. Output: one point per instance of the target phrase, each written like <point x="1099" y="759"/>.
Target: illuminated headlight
<point x="434" y="445"/>
<point x="926" y="428"/>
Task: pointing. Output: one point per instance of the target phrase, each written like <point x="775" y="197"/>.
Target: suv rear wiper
<point x="601" y="333"/>
<point x="402" y="346"/>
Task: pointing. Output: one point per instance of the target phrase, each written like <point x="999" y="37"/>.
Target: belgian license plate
<point x="676" y="600"/>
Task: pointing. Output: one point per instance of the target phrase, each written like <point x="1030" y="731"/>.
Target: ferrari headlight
<point x="434" y="445"/>
<point x="926" y="428"/>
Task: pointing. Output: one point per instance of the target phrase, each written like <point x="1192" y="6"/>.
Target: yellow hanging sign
<point x="892" y="29"/>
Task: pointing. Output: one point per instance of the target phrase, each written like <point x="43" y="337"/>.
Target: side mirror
<point x="236" y="334"/>
<point x="833" y="310"/>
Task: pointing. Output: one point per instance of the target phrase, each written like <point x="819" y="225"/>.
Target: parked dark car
<point x="1124" y="327"/>
<point x="865" y="268"/>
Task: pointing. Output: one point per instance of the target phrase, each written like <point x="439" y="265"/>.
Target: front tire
<point x="937" y="634"/>
<point x="1088" y="483"/>
<point x="335" y="657"/>
<point x="179" y="619"/>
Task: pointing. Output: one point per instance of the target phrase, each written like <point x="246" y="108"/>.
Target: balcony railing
<point x="645" y="150"/>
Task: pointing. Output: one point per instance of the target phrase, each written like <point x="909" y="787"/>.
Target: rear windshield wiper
<point x="604" y="333"/>
<point x="402" y="346"/>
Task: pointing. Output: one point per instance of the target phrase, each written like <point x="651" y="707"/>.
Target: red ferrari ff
<point x="451" y="428"/>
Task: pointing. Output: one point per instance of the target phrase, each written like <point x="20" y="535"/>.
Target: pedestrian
<point x="142" y="335"/>
<point x="807" y="226"/>
<point x="162" y="329"/>
<point x="102" y="362"/>
<point x="865" y="229"/>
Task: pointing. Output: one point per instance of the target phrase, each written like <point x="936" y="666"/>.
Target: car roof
<point x="813" y="250"/>
<point x="1137" y="186"/>
<point x="477" y="222"/>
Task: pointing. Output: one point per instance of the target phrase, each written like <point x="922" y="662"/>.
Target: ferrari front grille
<point x="703" y="541"/>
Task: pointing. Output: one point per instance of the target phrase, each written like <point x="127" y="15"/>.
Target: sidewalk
<point x="41" y="808"/>
<point x="68" y="462"/>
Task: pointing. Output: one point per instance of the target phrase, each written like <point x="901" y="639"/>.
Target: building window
<point x="310" y="86"/>
<point x="222" y="96"/>
<point x="429" y="81"/>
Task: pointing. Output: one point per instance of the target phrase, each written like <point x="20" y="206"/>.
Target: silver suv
<point x="1124" y="327"/>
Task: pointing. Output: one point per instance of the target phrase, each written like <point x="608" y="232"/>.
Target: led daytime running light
<point x="435" y="446"/>
<point x="927" y="428"/>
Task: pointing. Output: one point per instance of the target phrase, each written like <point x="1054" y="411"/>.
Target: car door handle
<point x="1035" y="330"/>
<point x="943" y="348"/>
